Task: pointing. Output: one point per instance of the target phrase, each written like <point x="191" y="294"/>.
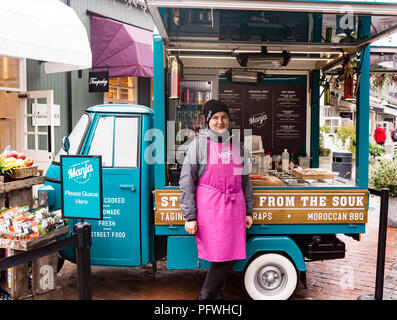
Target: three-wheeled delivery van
<point x="272" y="63"/>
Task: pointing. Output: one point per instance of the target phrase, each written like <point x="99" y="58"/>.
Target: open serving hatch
<point x="251" y="41"/>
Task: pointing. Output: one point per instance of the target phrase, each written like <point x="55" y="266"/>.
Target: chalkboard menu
<point x="275" y="111"/>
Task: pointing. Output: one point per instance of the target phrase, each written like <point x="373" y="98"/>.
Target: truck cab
<point x="117" y="133"/>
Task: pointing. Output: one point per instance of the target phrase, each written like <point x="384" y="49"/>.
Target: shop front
<point x="51" y="34"/>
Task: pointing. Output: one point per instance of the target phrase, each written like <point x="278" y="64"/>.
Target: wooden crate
<point x="43" y="283"/>
<point x="24" y="245"/>
<point x="43" y="280"/>
<point x="18" y="192"/>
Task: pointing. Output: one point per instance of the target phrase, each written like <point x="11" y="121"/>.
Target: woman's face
<point x="219" y="122"/>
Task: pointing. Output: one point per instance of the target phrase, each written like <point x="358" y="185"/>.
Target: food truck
<point x="270" y="62"/>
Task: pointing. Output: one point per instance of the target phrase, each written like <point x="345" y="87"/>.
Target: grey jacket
<point x="194" y="166"/>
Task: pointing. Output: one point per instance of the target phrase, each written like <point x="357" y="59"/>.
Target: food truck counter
<point x="299" y="177"/>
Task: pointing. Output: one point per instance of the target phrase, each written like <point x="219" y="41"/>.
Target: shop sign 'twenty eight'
<point x="283" y="207"/>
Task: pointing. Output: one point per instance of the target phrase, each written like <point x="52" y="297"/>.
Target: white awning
<point x="46" y="30"/>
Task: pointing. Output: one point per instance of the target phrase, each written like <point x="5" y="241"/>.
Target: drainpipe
<point x="69" y="95"/>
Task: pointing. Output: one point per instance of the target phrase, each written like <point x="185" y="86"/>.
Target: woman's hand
<point x="191" y="227"/>
<point x="248" y="221"/>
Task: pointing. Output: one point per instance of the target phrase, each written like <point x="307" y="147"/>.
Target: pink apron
<point x="221" y="212"/>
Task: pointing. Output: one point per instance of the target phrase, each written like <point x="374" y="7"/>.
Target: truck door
<point x="116" y="238"/>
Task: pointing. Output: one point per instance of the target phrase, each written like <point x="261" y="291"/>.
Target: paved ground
<point x="343" y="279"/>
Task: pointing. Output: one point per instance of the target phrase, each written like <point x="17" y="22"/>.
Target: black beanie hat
<point x="213" y="106"/>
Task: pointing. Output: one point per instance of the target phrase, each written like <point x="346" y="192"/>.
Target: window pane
<point x="31" y="145"/>
<point x="102" y="143"/>
<point x="126" y="142"/>
<point x="43" y="142"/>
<point x="9" y="72"/>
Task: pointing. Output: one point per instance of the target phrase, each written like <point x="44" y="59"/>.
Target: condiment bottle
<point x="285" y="160"/>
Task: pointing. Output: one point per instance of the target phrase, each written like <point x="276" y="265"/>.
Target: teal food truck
<point x="272" y="63"/>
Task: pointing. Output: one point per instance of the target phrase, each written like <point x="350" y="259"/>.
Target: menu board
<point x="233" y="97"/>
<point x="276" y="112"/>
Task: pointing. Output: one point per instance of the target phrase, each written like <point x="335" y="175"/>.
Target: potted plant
<point x="379" y="81"/>
<point x="383" y="174"/>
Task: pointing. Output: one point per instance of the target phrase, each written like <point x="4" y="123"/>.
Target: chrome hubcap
<point x="270" y="279"/>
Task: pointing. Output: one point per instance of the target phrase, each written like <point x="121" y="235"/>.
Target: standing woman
<point x="216" y="198"/>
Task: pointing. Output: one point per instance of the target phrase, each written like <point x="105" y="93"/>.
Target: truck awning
<point x="317" y="34"/>
<point x="123" y="50"/>
<point x="45" y="30"/>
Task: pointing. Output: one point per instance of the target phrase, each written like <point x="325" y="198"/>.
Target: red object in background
<point x="28" y="162"/>
<point x="175" y="79"/>
<point x="11" y="154"/>
<point x="348" y="93"/>
<point x="21" y="155"/>
<point x="380" y="135"/>
<point x="348" y="73"/>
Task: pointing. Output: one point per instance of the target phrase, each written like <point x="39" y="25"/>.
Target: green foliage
<point x="376" y="150"/>
<point x="323" y="129"/>
<point x="380" y="80"/>
<point x="325" y="151"/>
<point x="384" y="175"/>
<point x="345" y="134"/>
<point x="4" y="169"/>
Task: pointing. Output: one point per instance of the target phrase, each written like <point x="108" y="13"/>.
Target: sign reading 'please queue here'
<point x="283" y="207"/>
<point x="81" y="187"/>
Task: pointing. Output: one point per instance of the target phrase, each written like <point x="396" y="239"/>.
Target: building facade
<point x="26" y="90"/>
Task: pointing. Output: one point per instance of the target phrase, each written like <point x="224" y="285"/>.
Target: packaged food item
<point x="20" y="223"/>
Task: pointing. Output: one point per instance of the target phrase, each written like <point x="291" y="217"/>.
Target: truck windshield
<point x="76" y="136"/>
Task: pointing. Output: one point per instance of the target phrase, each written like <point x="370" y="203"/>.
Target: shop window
<point x="122" y="90"/>
<point x="11" y="73"/>
<point x="333" y="123"/>
<point x="126" y="142"/>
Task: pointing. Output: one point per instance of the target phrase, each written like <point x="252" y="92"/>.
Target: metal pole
<point x="83" y="257"/>
<point x="380" y="267"/>
<point x="380" y="259"/>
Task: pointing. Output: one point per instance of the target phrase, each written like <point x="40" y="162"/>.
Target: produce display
<point x="11" y="160"/>
<point x="20" y="223"/>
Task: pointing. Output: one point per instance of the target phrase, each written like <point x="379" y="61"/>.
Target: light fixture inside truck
<point x="264" y="59"/>
<point x="244" y="76"/>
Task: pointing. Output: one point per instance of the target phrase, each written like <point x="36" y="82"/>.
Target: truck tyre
<point x="270" y="276"/>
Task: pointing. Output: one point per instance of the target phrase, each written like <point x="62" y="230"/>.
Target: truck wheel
<point x="270" y="277"/>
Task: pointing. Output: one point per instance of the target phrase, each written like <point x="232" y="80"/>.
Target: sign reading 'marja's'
<point x="286" y="207"/>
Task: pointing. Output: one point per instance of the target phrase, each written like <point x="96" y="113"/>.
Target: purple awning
<point x="121" y="49"/>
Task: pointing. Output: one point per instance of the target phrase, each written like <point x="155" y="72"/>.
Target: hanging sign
<point x="98" y="81"/>
<point x="81" y="186"/>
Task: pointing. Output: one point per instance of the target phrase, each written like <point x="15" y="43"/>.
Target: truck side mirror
<point x="66" y="144"/>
